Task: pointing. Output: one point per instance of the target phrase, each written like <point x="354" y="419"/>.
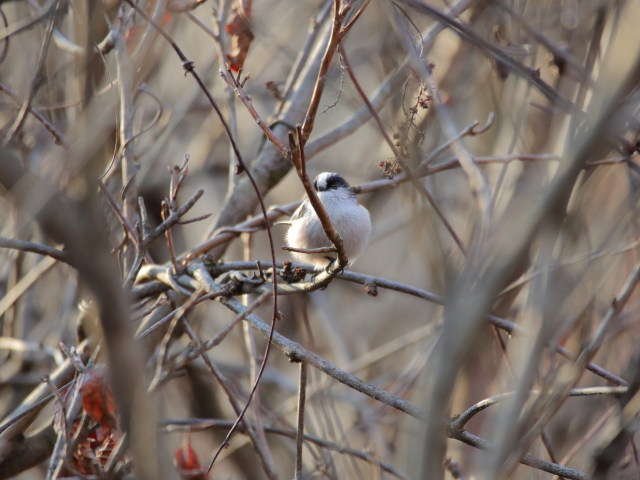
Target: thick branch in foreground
<point x="26" y="452"/>
<point x="77" y="225"/>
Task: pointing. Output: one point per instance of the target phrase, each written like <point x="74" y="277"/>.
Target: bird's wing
<point x="300" y="211"/>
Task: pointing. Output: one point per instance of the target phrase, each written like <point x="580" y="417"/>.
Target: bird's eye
<point x="336" y="182"/>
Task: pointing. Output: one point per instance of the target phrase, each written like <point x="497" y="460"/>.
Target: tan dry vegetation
<point x="500" y="280"/>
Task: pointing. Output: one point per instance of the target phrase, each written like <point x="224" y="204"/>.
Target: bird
<point x="350" y="219"/>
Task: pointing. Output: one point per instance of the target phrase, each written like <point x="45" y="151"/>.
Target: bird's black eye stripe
<point x="329" y="181"/>
<point x="336" y="182"/>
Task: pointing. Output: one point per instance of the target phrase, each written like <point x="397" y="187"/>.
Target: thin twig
<point x="154" y="272"/>
<point x="227" y="234"/>
<point x="29" y="21"/>
<point x="206" y="282"/>
<point x="468" y="130"/>
<point x="559" y="53"/>
<point x="297" y="353"/>
<point x="617" y="304"/>
<point x="57" y="136"/>
<point x="129" y="230"/>
<point x="253" y="435"/>
<point x="398" y="154"/>
<point x="339" y="13"/>
<point x="302" y="394"/>
<point x="173" y="218"/>
<point x="299" y="163"/>
<point x="248" y="103"/>
<point x="467" y="34"/>
<point x="527" y="459"/>
<point x="197" y="424"/>
<point x="128" y="165"/>
<point x="189" y="68"/>
<point x="254" y="364"/>
<point x="164" y="212"/>
<point x="222" y="334"/>
<point x="37" y="78"/>
<point x="389" y="86"/>
<point x="478" y="183"/>
<point x="33" y="275"/>
<point x="14" y="424"/>
<point x="310" y="250"/>
<point x="587" y="437"/>
<point x="178" y="311"/>
<point x="460" y="420"/>
<point x="60" y="449"/>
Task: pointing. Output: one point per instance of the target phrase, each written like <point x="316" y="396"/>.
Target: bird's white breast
<point x="350" y="219"/>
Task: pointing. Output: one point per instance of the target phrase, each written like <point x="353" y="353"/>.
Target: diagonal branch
<point x="467" y="34"/>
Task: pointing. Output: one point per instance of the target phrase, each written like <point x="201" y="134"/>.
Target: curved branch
<point x="458" y="422"/>
<point x="33" y="247"/>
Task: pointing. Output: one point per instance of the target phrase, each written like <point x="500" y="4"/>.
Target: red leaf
<point x="97" y="399"/>
<point x="187" y="462"/>
<point x="239" y="29"/>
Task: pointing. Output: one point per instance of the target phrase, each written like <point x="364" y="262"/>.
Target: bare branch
<point x="35" y="248"/>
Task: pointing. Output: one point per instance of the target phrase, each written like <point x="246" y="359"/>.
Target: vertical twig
<point x="128" y="166"/>
<point x="334" y="39"/>
<point x="254" y="366"/>
<point x="221" y="42"/>
<point x="302" y="395"/>
<point x="172" y="253"/>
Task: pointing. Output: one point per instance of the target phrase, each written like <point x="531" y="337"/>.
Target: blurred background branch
<point x="501" y="171"/>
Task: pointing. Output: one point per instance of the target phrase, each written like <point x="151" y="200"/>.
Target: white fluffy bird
<point x="350" y="219"/>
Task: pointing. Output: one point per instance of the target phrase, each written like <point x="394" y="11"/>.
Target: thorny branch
<point x="297" y="353"/>
<point x="371" y="283"/>
<point x="236" y="86"/>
